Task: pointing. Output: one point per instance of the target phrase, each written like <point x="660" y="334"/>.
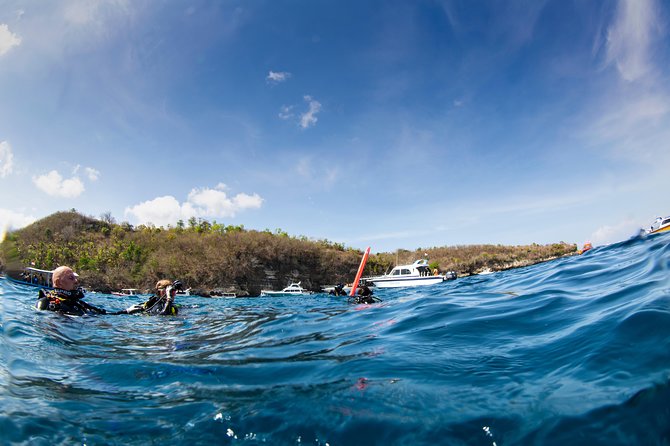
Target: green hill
<point x="210" y="256"/>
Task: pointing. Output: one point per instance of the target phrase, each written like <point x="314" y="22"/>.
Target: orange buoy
<point x="364" y="260"/>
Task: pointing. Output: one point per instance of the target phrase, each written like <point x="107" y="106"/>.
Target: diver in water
<point x="161" y="303"/>
<point x="364" y="296"/>
<point x="66" y="297"/>
<point x="338" y="290"/>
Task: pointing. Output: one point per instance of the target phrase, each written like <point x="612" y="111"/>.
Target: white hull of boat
<point x="293" y="289"/>
<point x="281" y="293"/>
<point x="396" y="282"/>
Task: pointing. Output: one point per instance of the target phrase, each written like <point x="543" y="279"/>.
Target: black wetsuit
<point x="155" y="305"/>
<point x="66" y="302"/>
<point x="338" y="290"/>
<point x="364" y="296"/>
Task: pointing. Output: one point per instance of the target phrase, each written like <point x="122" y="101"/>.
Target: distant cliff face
<point x="206" y="256"/>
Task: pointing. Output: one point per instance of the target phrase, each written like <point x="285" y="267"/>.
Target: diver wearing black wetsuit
<point x="161" y="303"/>
<point x="364" y="296"/>
<point x="66" y="297"/>
<point x="67" y="302"/>
<point x="338" y="290"/>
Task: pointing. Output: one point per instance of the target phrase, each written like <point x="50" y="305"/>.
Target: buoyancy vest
<point x="67" y="302"/>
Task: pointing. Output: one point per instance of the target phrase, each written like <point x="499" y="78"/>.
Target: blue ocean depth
<point x="572" y="351"/>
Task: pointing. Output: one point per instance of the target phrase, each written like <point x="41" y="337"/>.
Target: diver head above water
<point x="65" y="278"/>
<point x="162" y="302"/>
<point x="66" y="296"/>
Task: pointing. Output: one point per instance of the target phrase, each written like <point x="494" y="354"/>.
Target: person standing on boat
<point x="160" y="303"/>
<point x="66" y="297"/>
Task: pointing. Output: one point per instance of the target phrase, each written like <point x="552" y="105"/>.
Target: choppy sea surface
<point x="573" y="351"/>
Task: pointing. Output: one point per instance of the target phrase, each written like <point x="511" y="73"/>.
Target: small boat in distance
<point x="659" y="225"/>
<point x="416" y="274"/>
<point x="223" y="295"/>
<point x="41" y="278"/>
<point x="293" y="289"/>
<point x="126" y="292"/>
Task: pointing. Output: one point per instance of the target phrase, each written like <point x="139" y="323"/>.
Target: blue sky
<point x="390" y="124"/>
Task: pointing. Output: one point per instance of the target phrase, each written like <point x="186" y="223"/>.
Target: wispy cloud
<point x="630" y="37"/>
<point x="277" y="77"/>
<point x="286" y="112"/>
<point x="632" y="123"/>
<point x="6" y="159"/>
<point x="205" y="202"/>
<point x="8" y="39"/>
<point x="92" y="173"/>
<point x="308" y="119"/>
<point x="630" y="115"/>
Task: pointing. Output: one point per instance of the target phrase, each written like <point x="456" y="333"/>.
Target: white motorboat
<point x="416" y="274"/>
<point x="659" y="225"/>
<point x="293" y="289"/>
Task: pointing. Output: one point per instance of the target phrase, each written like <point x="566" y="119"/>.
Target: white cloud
<point x="160" y="211"/>
<point x="309" y="119"/>
<point x="6" y="159"/>
<point x="92" y="173"/>
<point x="630" y="37"/>
<point x="53" y="184"/>
<point x="277" y="77"/>
<point x="286" y="112"/>
<point x="205" y="202"/>
<point x="216" y="203"/>
<point x="8" y="39"/>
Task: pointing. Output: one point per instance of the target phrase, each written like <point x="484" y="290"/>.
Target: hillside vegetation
<point x="211" y="256"/>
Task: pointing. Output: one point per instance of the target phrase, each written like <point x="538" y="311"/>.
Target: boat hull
<point x="396" y="282"/>
<point x="38" y="278"/>
<point x="23" y="282"/>
<point x="659" y="230"/>
<point x="293" y="289"/>
<point x="281" y="293"/>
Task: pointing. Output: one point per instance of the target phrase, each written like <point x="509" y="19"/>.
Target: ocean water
<point x="573" y="351"/>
